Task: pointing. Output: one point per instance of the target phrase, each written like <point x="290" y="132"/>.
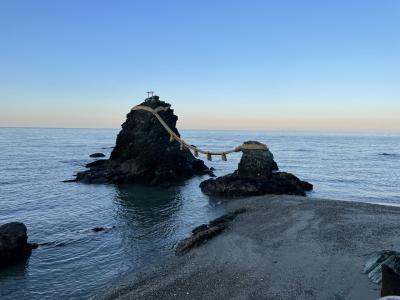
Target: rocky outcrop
<point x="256" y="163"/>
<point x="144" y="154"/>
<point x="256" y="175"/>
<point x="206" y="232"/>
<point x="13" y="243"/>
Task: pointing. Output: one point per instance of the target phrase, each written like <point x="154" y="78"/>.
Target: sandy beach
<point x="283" y="247"/>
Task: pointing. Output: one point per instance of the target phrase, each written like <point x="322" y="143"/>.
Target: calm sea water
<point x="145" y="223"/>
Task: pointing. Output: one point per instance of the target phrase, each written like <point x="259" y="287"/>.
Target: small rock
<point x="13" y="243"/>
<point x="97" y="155"/>
<point x="98" y="229"/>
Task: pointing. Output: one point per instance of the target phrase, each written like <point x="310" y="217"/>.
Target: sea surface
<point x="143" y="224"/>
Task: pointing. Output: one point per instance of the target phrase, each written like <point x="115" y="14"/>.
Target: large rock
<point x="13" y="243"/>
<point x="256" y="163"/>
<point x="256" y="175"/>
<point x="144" y="154"/>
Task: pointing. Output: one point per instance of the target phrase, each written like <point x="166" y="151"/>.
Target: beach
<point x="143" y="224"/>
<point x="282" y="247"/>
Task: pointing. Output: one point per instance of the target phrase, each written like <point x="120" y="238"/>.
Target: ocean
<point x="143" y="223"/>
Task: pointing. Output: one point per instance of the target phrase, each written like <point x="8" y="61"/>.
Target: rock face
<point x="256" y="175"/>
<point x="13" y="244"/>
<point x="256" y="163"/>
<point x="375" y="262"/>
<point x="390" y="282"/>
<point x="144" y="154"/>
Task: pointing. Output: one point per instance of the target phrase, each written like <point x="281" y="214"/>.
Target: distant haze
<point x="251" y="65"/>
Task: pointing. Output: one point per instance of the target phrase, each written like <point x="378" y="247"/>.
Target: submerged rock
<point x="206" y="232"/>
<point x="101" y="229"/>
<point x="143" y="152"/>
<point x="256" y="175"/>
<point x="96" y="155"/>
<point x="13" y="243"/>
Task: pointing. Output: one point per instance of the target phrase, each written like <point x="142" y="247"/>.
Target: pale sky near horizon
<point x="253" y="65"/>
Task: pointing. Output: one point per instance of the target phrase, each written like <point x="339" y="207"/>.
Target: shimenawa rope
<point x="185" y="145"/>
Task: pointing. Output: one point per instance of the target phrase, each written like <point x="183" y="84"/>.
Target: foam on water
<point x="145" y="223"/>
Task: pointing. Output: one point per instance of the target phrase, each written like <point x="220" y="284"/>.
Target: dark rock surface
<point x="390" y="282"/>
<point x="97" y="155"/>
<point x="256" y="163"/>
<point x="232" y="185"/>
<point x="256" y="175"/>
<point x="206" y="232"/>
<point x="13" y="243"/>
<point x="144" y="154"/>
<point x="102" y="229"/>
<point x="374" y="264"/>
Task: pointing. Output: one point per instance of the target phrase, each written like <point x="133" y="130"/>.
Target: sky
<point x="249" y="65"/>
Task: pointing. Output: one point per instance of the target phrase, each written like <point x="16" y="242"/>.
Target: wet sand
<point x="283" y="247"/>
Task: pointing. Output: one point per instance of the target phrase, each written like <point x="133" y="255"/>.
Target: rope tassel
<point x="223" y="156"/>
<point x="196" y="152"/>
<point x="209" y="157"/>
<point x="171" y="138"/>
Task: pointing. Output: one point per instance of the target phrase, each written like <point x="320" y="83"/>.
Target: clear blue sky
<point x="269" y="65"/>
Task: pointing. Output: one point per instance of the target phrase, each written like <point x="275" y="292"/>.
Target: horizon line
<point x="227" y="130"/>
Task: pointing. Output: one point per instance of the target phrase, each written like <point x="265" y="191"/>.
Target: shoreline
<point x="283" y="247"/>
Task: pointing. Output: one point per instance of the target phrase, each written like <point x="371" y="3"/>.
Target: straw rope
<point x="185" y="145"/>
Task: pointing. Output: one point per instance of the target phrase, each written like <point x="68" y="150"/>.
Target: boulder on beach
<point x="14" y="246"/>
<point x="143" y="152"/>
<point x="203" y="233"/>
<point x="256" y="175"/>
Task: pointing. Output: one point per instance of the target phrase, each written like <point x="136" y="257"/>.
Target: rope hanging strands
<point x="184" y="145"/>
